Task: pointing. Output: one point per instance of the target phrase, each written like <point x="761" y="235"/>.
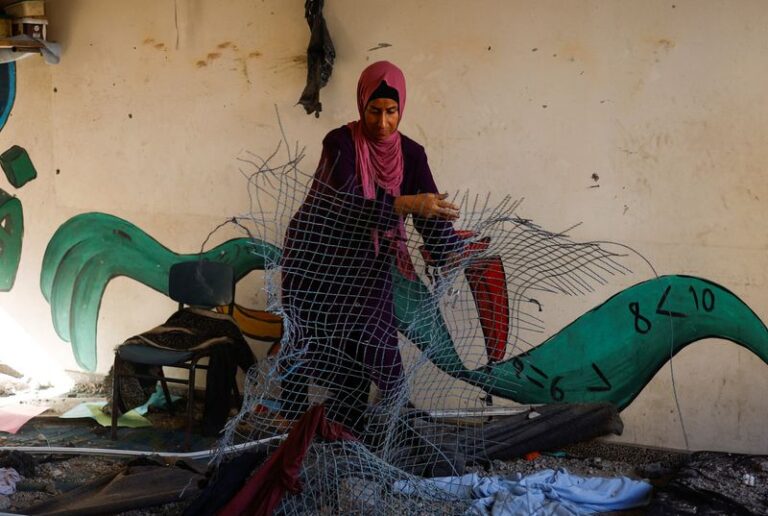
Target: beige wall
<point x="663" y="100"/>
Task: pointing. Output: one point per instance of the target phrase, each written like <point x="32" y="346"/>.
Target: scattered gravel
<point x="54" y="475"/>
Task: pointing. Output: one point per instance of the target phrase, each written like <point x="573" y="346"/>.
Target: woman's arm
<point x="427" y="206"/>
<point x="432" y="213"/>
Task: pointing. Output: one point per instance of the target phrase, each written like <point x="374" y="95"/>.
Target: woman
<point x="341" y="247"/>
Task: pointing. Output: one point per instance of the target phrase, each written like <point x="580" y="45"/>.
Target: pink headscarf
<point x="380" y="162"/>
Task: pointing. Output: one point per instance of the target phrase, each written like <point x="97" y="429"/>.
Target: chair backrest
<point x="202" y="283"/>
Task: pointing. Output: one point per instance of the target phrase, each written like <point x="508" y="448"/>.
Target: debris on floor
<point x="715" y="483"/>
<point x="720" y="483"/>
<point x="15" y="415"/>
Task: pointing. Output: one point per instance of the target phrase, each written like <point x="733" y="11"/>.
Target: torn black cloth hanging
<point x="320" y="56"/>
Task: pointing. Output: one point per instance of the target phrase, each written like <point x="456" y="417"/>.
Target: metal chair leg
<point x="116" y="390"/>
<point x="166" y="392"/>
<point x="190" y="403"/>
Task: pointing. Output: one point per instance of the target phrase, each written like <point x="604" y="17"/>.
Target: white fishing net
<point x="474" y="306"/>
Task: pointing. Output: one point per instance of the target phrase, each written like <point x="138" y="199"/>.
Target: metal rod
<point x="108" y="452"/>
<point x="481" y="412"/>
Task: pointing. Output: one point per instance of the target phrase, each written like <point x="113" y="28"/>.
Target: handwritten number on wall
<point x="518" y="365"/>
<point x="606" y="384"/>
<point x="707" y="299"/>
<point x="555" y="391"/>
<point x="642" y="325"/>
<point x="661" y="311"/>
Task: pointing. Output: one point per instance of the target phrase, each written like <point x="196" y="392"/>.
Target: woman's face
<point x="381" y="118"/>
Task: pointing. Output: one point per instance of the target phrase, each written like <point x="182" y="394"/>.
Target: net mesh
<point x="389" y="354"/>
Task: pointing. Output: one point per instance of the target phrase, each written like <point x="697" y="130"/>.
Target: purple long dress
<point x="337" y="290"/>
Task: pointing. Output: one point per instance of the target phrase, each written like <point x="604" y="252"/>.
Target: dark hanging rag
<point x="320" y="56"/>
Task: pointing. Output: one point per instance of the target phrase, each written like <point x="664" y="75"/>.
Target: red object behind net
<point x="488" y="283"/>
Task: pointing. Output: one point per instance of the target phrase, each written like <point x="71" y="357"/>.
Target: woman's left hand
<point x="427" y="205"/>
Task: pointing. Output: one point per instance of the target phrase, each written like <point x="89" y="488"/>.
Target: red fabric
<point x="262" y="493"/>
<point x="488" y="283"/>
<point x="380" y="162"/>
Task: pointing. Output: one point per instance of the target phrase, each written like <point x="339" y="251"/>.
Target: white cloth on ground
<point x="8" y="479"/>
<point x="545" y="493"/>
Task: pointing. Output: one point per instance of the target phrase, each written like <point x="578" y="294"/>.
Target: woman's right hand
<point x="427" y="205"/>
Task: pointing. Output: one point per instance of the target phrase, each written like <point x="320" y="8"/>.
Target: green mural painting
<point x="608" y="354"/>
<point x="11" y="234"/>
<point x="17" y="166"/>
<point x="90" y="249"/>
<point x="7" y="91"/>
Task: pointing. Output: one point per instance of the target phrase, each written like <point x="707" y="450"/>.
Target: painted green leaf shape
<point x="608" y="354"/>
<point x="90" y="249"/>
<point x="17" y="166"/>
<point x="11" y="236"/>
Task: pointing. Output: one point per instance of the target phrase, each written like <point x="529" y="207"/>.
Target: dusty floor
<point x="57" y="474"/>
<point x="49" y="475"/>
<point x="52" y="475"/>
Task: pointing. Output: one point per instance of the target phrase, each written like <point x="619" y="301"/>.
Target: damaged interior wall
<point x="643" y="121"/>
